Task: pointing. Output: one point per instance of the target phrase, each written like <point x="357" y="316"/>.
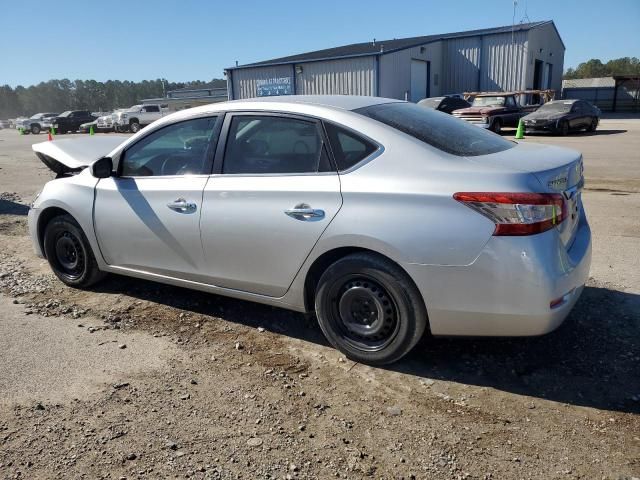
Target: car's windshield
<point x="431" y="102"/>
<point x="37" y="115"/>
<point x="65" y="114"/>
<point x="556" y="107"/>
<point x="135" y="107"/>
<point x="488" y="101"/>
<point x="438" y="129"/>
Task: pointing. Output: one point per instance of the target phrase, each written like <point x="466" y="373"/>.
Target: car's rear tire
<point x="496" y="126"/>
<point x="35" y="129"/>
<point x="594" y="124"/>
<point x="69" y="253"/>
<point x="369" y="309"/>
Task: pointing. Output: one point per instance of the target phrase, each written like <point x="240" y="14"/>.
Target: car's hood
<point x="478" y="110"/>
<point x="74" y="154"/>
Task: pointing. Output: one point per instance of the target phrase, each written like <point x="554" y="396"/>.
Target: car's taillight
<point x="517" y="213"/>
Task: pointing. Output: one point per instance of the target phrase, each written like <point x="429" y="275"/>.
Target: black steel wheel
<point x="594" y="124"/>
<point x="69" y="253"/>
<point x="496" y="126"/>
<point x="564" y="128"/>
<point x="369" y="309"/>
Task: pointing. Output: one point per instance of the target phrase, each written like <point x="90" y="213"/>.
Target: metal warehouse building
<point x="518" y="57"/>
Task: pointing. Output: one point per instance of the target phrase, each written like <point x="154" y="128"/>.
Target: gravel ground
<point x="140" y="380"/>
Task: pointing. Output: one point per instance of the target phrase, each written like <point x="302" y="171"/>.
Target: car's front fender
<point x="73" y="195"/>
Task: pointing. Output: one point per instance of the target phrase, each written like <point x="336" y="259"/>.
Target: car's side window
<point x="348" y="148"/>
<point x="273" y="145"/>
<point x="178" y="149"/>
<point x="510" y="102"/>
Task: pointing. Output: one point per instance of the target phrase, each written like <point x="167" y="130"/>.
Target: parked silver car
<point x="386" y="218"/>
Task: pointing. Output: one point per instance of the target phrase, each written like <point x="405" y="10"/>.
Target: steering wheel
<point x="305" y="147"/>
<point x="173" y="164"/>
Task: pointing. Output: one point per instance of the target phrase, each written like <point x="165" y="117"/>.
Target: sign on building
<point x="274" y="86"/>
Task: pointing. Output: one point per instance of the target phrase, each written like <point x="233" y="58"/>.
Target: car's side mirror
<point x="102" y="168"/>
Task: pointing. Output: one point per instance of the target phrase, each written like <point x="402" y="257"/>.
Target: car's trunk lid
<point x="559" y="170"/>
<point x="74" y="154"/>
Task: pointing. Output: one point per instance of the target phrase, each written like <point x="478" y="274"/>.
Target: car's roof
<point x="568" y="100"/>
<point x="297" y="104"/>
<point x="345" y="102"/>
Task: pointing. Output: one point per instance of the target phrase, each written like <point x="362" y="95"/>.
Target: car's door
<point x="586" y="114"/>
<point x="147" y="216"/>
<point x="273" y="193"/>
<point x="148" y="114"/>
<point x="512" y="114"/>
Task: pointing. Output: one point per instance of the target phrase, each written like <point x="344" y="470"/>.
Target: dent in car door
<point x="258" y="228"/>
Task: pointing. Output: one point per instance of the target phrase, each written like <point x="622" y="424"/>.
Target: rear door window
<point x="348" y="147"/>
<point x="275" y="144"/>
<point x="444" y="132"/>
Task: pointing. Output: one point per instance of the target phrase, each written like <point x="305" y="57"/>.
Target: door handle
<point x="182" y="206"/>
<point x="303" y="211"/>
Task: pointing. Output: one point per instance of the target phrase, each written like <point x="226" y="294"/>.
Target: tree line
<point x="595" y="68"/>
<point x="60" y="95"/>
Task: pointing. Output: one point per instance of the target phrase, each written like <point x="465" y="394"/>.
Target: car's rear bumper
<point x="508" y="289"/>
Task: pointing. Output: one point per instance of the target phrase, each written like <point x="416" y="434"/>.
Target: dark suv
<point x="71" y="120"/>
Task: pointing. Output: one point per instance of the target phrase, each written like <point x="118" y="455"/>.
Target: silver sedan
<point x="385" y="218"/>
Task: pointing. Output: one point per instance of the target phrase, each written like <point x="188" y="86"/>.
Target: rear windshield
<point x="438" y="129"/>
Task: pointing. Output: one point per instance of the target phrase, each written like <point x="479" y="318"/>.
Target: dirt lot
<point x="141" y="380"/>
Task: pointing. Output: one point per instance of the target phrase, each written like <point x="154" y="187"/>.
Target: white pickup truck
<point x="136" y="117"/>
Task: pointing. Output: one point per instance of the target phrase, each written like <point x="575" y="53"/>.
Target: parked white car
<point x="36" y="123"/>
<point x="137" y="117"/>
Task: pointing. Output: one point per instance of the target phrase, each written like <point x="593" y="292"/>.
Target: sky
<point x="195" y="40"/>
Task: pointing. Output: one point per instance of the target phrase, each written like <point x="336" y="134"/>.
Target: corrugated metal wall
<point x="461" y="64"/>
<point x="245" y="79"/>
<point x="353" y="76"/>
<point x="484" y="63"/>
<point x="545" y="45"/>
<point x="503" y="62"/>
<point x="395" y="70"/>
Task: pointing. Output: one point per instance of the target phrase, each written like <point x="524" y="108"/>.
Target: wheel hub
<point x="67" y="252"/>
<point x="366" y="311"/>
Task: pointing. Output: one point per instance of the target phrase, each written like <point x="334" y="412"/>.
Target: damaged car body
<point x="384" y="218"/>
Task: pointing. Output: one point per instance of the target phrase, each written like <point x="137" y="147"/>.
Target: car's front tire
<point x="369" y="309"/>
<point x="134" y="127"/>
<point x="496" y="126"/>
<point x="35" y="129"/>
<point x="593" y="126"/>
<point x="69" y="253"/>
<point x="563" y="128"/>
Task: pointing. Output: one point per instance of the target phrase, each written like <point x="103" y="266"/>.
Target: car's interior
<point x="258" y="145"/>
<point x="179" y="149"/>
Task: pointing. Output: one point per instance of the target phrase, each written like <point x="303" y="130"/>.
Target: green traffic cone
<point x="91" y="130"/>
<point x="53" y="132"/>
<point x="520" y="131"/>
<point x="21" y="131"/>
